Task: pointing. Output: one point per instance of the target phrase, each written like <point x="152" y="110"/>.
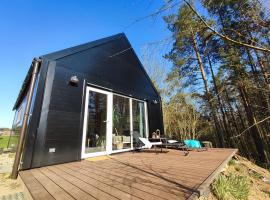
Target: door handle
<point x="106" y="121"/>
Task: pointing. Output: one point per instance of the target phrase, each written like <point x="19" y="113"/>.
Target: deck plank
<point x="126" y="176"/>
<point x="86" y="185"/>
<point x="153" y="175"/>
<point x="35" y="188"/>
<point x="74" y="191"/>
<point x="56" y="191"/>
<point x="151" y="181"/>
<point x="106" y="186"/>
<point x="138" y="185"/>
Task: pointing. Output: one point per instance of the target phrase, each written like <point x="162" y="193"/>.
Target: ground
<point x="259" y="189"/>
<point x="8" y="187"/>
<point x="4" y="140"/>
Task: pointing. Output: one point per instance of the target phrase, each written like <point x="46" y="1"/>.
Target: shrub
<point x="231" y="187"/>
<point x="238" y="168"/>
<point x="255" y="174"/>
<point x="231" y="162"/>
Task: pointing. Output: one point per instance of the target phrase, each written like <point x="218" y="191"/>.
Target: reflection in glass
<point x="121" y="123"/>
<point x="96" y="124"/>
<point x="18" y="118"/>
<point x="138" y="113"/>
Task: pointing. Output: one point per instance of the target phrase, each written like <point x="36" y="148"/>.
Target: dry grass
<point x="7" y="185"/>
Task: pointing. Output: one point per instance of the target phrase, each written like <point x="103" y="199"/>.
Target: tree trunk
<point x="265" y="98"/>
<point x="224" y="119"/>
<point x="264" y="72"/>
<point x="245" y="151"/>
<point x="207" y="93"/>
<point x="254" y="129"/>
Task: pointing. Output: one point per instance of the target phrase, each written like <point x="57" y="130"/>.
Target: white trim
<point x="109" y="123"/>
<point x="130" y="97"/>
<point x="131" y="122"/>
<point x="97" y="90"/>
<point x="146" y="119"/>
<point x="121" y="150"/>
<point x="89" y="155"/>
<point x="85" y="123"/>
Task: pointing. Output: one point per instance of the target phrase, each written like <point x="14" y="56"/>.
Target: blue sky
<point x="32" y="28"/>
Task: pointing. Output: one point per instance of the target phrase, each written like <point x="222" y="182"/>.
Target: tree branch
<point x="250" y="127"/>
<point x="159" y="11"/>
<point x="224" y="36"/>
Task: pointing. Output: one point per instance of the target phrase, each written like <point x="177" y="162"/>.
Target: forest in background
<point x="218" y="86"/>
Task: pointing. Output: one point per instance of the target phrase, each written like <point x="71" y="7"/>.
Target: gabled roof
<point x="66" y="52"/>
<point x="24" y="87"/>
<point x="73" y="50"/>
<point x="60" y="54"/>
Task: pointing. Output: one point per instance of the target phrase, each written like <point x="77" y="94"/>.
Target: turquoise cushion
<point x="193" y="143"/>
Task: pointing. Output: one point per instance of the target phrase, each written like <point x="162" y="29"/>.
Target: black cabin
<point x="88" y="100"/>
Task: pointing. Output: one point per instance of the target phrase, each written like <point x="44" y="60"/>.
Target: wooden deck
<point x="143" y="175"/>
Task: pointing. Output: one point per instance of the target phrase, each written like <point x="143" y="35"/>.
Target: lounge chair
<point x="148" y="144"/>
<point x="175" y="144"/>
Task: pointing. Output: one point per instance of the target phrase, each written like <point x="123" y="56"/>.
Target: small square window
<point x="19" y="115"/>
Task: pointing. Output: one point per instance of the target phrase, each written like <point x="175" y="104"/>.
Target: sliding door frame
<point x="109" y="122"/>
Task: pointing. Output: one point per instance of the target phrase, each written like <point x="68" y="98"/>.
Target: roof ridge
<point x="82" y="47"/>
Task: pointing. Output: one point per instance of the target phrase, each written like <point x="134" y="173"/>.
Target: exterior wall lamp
<point x="155" y="101"/>
<point x="74" y="81"/>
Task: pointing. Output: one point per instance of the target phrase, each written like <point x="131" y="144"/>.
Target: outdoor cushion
<point x="193" y="144"/>
<point x="117" y="139"/>
<point x="172" y="141"/>
<point x="126" y="138"/>
<point x="149" y="144"/>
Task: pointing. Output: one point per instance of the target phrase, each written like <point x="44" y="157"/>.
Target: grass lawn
<point x="4" y="141"/>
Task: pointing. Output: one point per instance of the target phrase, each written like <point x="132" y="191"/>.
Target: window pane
<point x="96" y="124"/>
<point x="121" y="123"/>
<point x="138" y="113"/>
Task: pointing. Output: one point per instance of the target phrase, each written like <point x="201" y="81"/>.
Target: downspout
<point x="36" y="64"/>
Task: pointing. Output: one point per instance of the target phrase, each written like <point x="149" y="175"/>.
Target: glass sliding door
<point x="139" y="118"/>
<point x="121" y="137"/>
<point x="111" y="122"/>
<point x="96" y="122"/>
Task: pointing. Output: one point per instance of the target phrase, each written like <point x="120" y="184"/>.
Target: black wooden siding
<point x="112" y="65"/>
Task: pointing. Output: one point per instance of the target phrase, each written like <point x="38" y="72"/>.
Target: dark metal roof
<point x="60" y="54"/>
<point x="66" y="52"/>
<point x="69" y="51"/>
<point x="23" y="90"/>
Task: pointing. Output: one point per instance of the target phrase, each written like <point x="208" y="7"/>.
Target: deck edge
<point x="203" y="189"/>
<point x="26" y="192"/>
